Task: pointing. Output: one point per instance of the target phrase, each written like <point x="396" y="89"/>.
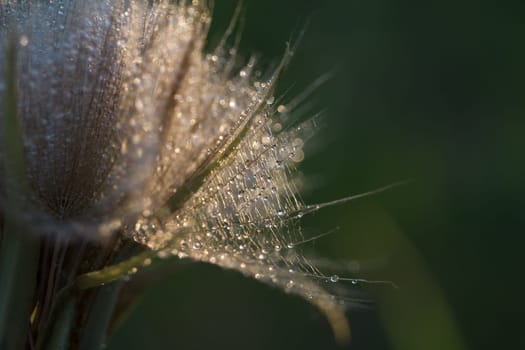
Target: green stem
<point x="113" y="272"/>
<point x="19" y="254"/>
<point x="19" y="250"/>
<point x="60" y="331"/>
<point x="96" y="329"/>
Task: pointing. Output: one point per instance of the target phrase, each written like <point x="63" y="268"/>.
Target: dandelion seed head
<point x="129" y="127"/>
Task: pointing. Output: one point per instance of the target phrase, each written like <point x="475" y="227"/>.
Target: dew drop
<point x="266" y="140"/>
<point x="290" y="284"/>
<point x="297" y="156"/>
<point x="139" y="105"/>
<point x="24" y="40"/>
<point x="163" y="254"/>
<point x="298" y="143"/>
<point x="281" y="109"/>
<point x="334" y="278"/>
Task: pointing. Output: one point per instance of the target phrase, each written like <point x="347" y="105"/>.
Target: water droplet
<point x="290" y="284"/>
<point x="334" y="278"/>
<point x="266" y="140"/>
<point x="163" y="254"/>
<point x="298" y="143"/>
<point x="297" y="156"/>
<point x="24" y="40"/>
<point x="281" y="109"/>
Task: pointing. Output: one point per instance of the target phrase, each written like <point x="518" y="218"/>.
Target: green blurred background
<point x="428" y="91"/>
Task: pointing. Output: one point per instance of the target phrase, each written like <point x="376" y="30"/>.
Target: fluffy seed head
<point x="128" y="127"/>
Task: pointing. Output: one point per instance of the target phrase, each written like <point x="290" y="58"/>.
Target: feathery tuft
<point x="130" y="129"/>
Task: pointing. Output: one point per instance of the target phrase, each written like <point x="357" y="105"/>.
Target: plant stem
<point x="100" y="313"/>
<point x="19" y="255"/>
<point x="19" y="250"/>
<point x="60" y="333"/>
<point x="113" y="272"/>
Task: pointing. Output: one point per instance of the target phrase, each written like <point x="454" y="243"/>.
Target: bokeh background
<point x="431" y="91"/>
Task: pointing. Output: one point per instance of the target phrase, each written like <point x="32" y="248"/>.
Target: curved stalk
<point x="19" y="251"/>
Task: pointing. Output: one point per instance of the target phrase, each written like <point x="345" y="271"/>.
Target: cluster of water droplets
<point x="245" y="213"/>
